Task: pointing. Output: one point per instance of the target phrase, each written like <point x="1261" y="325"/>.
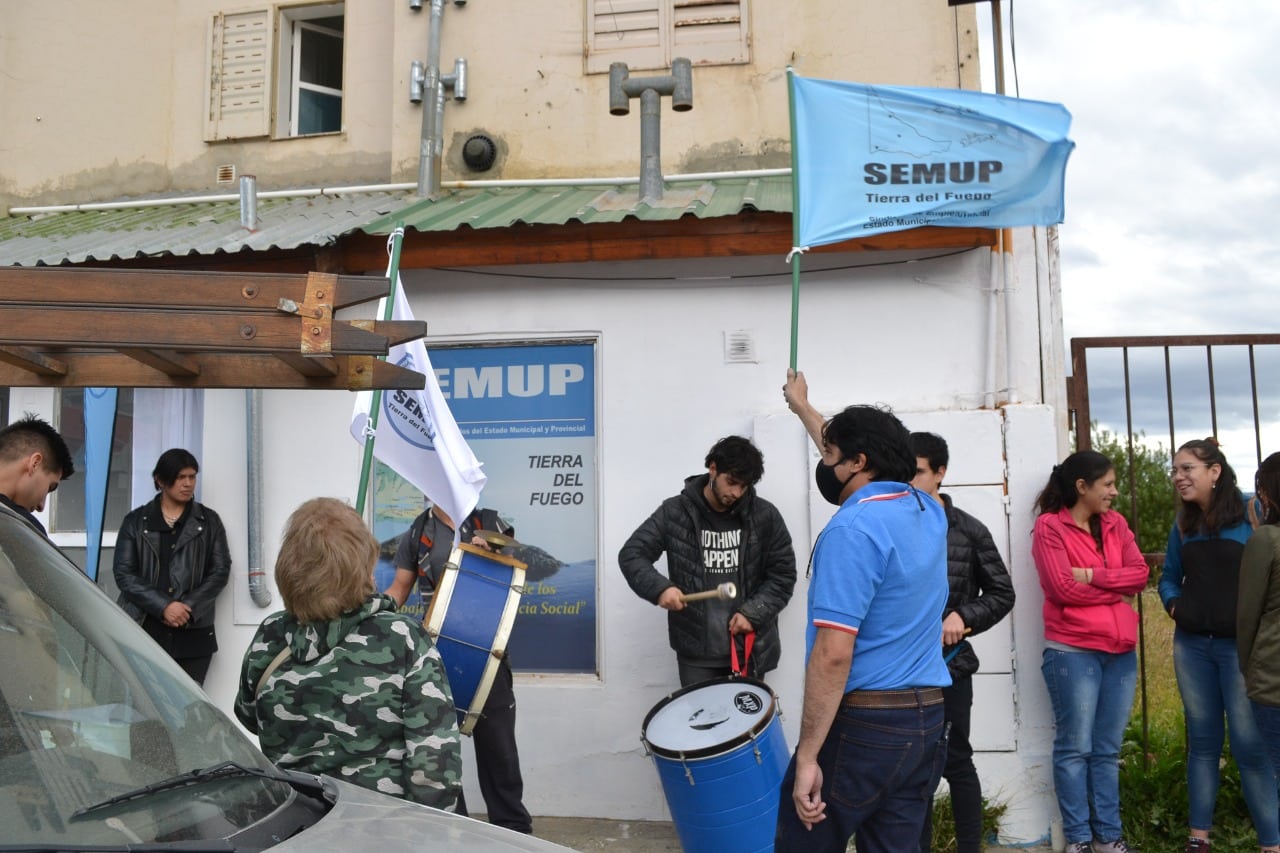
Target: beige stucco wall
<point x="97" y="103"/>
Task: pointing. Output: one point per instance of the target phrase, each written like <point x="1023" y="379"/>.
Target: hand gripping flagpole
<point x="394" y="243"/>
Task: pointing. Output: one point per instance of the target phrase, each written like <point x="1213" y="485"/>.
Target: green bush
<point x="1153" y="798"/>
<point x="944" y="826"/>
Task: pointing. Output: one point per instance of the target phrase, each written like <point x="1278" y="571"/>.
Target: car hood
<point x="361" y="817"/>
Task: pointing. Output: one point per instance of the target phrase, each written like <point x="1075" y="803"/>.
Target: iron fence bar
<point x="1137" y="531"/>
<point x="1253" y="389"/>
<point x="1168" y="396"/>
<point x="1213" y="398"/>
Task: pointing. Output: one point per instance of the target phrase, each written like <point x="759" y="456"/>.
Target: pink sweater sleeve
<point x="1132" y="573"/>
<point x="1049" y="552"/>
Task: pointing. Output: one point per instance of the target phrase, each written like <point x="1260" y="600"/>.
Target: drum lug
<point x="688" y="774"/>
<point x="648" y="753"/>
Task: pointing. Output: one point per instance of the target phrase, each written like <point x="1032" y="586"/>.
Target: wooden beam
<point x="166" y="361"/>
<point x="41" y="286"/>
<point x="749" y="234"/>
<point x="176" y="329"/>
<point x="310" y="365"/>
<point x="355" y="372"/>
<point x="35" y="362"/>
<point x="395" y="331"/>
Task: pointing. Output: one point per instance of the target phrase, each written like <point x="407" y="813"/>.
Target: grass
<point x="944" y="826"/>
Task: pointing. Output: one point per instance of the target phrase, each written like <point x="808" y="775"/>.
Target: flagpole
<point x="795" y="253"/>
<point x="375" y="405"/>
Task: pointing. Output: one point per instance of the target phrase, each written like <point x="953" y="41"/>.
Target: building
<point x="551" y="288"/>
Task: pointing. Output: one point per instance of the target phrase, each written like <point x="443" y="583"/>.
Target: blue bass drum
<point x="721" y="755"/>
<point x="470" y="619"/>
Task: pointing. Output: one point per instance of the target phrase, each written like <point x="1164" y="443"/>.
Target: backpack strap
<point x="271" y="667"/>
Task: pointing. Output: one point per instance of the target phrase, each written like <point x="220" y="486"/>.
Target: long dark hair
<point x="1267" y="484"/>
<point x="1060" y="491"/>
<point x="1226" y="504"/>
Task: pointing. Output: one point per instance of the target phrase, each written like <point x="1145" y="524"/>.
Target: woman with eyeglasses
<point x="1199" y="587"/>
<point x="1090" y="568"/>
<point x="1258" y="617"/>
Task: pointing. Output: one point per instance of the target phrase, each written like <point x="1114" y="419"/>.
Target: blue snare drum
<point x="469" y="619"/>
<point x="721" y="755"/>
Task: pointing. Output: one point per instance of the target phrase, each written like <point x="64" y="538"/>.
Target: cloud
<point x="1173" y="201"/>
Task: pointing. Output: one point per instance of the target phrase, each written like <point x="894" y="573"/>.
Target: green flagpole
<point x="375" y="406"/>
<point x="795" y="222"/>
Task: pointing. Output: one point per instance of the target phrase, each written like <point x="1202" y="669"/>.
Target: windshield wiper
<point x="217" y="845"/>
<point x="225" y="770"/>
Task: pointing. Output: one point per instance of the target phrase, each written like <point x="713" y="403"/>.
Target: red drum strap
<point x="748" y="641"/>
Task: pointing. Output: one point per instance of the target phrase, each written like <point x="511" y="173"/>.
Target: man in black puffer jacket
<point x="717" y="530"/>
<point x="981" y="595"/>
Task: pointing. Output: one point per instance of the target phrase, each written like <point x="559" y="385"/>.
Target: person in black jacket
<point x="981" y="595"/>
<point x="171" y="562"/>
<point x="716" y="531"/>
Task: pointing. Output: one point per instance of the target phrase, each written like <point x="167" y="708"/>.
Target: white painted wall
<point x="874" y="329"/>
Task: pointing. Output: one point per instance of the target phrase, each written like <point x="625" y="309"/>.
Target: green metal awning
<point x="174" y="227"/>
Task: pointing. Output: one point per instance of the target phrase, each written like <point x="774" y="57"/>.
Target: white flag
<point x="417" y="436"/>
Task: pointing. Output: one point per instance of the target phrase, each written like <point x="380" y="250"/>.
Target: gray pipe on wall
<point x="258" y="589"/>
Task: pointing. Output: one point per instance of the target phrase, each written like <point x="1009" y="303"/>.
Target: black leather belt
<point x="907" y="697"/>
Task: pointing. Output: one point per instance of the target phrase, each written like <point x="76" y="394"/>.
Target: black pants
<point x="497" y="761"/>
<point x="961" y="775"/>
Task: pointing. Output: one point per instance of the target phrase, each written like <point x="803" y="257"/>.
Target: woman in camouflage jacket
<point x="338" y="682"/>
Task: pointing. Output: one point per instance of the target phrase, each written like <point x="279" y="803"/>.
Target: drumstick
<point x="726" y="591"/>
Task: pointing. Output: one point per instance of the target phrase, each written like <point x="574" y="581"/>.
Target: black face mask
<point x="829" y="485"/>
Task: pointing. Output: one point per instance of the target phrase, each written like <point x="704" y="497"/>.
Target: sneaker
<point x="1117" y="846"/>
<point x="1079" y="847"/>
<point x="1196" y="845"/>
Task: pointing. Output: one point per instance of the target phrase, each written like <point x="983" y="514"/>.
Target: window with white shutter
<point x="276" y="72"/>
<point x="648" y="34"/>
<point x="239" y="96"/>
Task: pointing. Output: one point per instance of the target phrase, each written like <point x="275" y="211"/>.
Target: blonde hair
<point x="326" y="560"/>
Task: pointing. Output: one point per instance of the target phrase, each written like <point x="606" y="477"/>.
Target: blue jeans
<point x="1212" y="688"/>
<point x="1092" y="694"/>
<point x="1268" y="719"/>
<point x="880" y="768"/>
<point x="959" y="771"/>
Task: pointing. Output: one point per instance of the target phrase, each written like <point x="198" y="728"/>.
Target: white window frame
<point x="292" y="21"/>
<point x="648" y="34"/>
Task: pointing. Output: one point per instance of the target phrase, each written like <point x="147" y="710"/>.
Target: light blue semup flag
<point x="99" y="434"/>
<point x="871" y="159"/>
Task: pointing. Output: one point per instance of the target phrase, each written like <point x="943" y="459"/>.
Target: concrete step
<point x="641" y="836"/>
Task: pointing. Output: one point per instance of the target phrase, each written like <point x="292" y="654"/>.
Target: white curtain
<point x="164" y="418"/>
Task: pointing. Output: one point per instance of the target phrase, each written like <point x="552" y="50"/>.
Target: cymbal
<point x="493" y="537"/>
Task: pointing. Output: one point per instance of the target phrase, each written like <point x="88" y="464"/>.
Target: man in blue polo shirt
<point x="871" y="744"/>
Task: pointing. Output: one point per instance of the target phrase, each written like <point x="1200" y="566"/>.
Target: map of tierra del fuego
<point x="893" y="132"/>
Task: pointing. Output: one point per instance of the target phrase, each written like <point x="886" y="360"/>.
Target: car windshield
<point x="91" y="708"/>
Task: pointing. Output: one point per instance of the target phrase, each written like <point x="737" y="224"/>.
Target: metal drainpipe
<point x="428" y="154"/>
<point x="623" y="87"/>
<point x="249" y="202"/>
<point x="258" y="590"/>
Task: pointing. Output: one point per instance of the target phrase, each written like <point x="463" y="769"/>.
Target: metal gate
<point x="1179" y="387"/>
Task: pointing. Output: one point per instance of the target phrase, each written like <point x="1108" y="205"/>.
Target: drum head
<point x="706" y="719"/>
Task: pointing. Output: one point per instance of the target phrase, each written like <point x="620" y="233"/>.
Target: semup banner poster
<point x="528" y="413"/>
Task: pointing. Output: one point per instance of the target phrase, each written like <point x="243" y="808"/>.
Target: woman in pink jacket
<point x="1090" y="568"/>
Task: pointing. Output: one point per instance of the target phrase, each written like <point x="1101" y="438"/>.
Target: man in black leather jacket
<point x="716" y="531"/>
<point x="171" y="562"/>
<point x="981" y="595"/>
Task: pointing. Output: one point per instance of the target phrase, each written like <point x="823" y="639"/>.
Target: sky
<point x="1173" y="192"/>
